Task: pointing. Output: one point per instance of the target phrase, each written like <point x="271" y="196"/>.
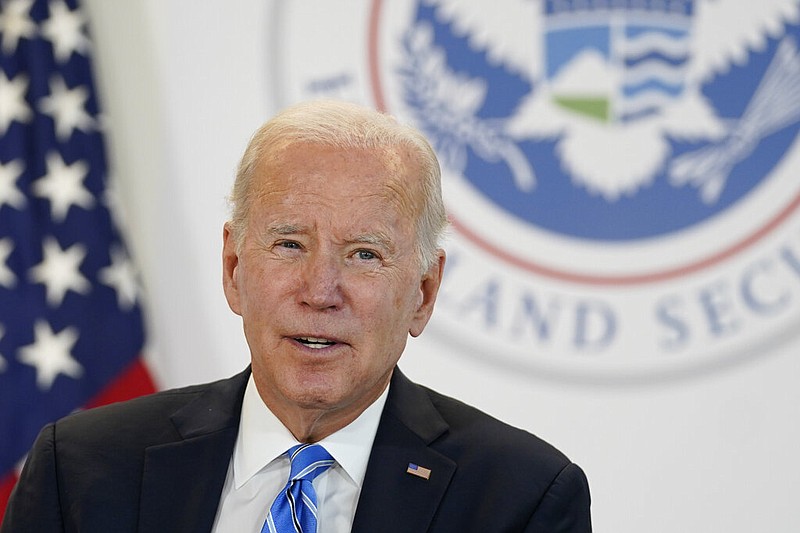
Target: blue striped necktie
<point x="295" y="507"/>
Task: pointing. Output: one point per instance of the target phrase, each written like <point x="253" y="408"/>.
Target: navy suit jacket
<point x="158" y="464"/>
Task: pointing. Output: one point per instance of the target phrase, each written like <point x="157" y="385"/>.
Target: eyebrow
<point x="379" y="239"/>
<point x="285" y="229"/>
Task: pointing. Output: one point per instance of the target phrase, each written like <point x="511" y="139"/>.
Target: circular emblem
<point x="622" y="177"/>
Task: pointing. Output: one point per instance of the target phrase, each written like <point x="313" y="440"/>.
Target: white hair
<point x="346" y="126"/>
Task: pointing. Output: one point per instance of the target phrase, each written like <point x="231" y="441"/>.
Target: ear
<point x="230" y="269"/>
<point x="428" y="289"/>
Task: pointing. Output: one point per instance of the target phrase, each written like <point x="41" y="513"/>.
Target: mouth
<point x="315" y="343"/>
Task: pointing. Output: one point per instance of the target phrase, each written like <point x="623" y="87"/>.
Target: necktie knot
<point x="308" y="461"/>
<point x="295" y="507"/>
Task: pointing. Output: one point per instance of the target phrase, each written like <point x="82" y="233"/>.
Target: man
<point x="331" y="258"/>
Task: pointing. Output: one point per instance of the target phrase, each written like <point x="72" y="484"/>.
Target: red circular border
<point x="573" y="277"/>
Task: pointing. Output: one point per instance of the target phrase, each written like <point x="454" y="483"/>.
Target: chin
<point x="311" y="393"/>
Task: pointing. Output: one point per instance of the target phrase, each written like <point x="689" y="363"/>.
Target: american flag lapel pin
<point x="419" y="471"/>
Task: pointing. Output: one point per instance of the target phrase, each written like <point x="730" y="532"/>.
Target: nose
<point x="321" y="286"/>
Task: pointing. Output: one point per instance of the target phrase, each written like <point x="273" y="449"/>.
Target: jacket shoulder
<point x="141" y="421"/>
<point x="484" y="464"/>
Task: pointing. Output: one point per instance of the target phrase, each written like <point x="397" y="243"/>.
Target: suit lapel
<point x="392" y="499"/>
<point x="183" y="480"/>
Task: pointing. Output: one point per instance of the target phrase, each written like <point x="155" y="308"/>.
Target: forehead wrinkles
<point x="404" y="182"/>
<point x="398" y="174"/>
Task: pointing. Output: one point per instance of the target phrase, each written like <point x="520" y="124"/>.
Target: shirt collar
<point x="263" y="438"/>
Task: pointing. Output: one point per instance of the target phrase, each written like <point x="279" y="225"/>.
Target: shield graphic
<point x="617" y="61"/>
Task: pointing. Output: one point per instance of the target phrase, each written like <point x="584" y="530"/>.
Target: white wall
<point x="185" y="82"/>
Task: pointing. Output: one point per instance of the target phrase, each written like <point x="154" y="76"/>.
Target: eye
<point x="365" y="255"/>
<point x="287" y="247"/>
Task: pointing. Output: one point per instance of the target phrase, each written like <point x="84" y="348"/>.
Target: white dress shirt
<point x="258" y="468"/>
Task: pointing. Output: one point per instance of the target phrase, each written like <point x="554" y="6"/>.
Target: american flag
<point x="419" y="471"/>
<point x="71" y="329"/>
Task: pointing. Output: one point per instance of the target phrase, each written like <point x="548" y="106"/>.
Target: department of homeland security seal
<point x="623" y="176"/>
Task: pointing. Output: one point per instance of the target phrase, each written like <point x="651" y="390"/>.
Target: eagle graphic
<point x="610" y="146"/>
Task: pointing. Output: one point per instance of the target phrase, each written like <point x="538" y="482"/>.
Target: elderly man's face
<point x="327" y="279"/>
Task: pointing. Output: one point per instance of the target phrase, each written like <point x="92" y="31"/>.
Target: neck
<point x="311" y="421"/>
<point x="312" y="426"/>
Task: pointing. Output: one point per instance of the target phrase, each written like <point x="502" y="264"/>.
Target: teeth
<point x="315" y="342"/>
